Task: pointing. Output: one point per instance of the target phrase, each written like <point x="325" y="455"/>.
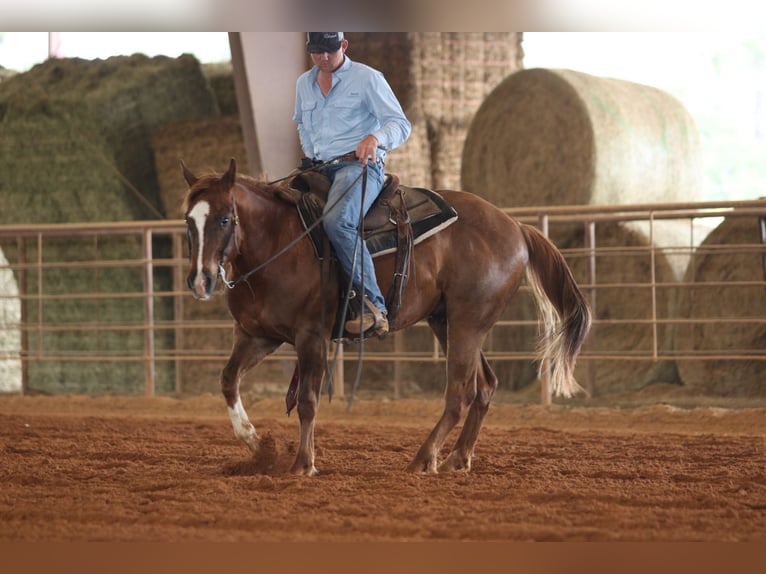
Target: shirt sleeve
<point x="303" y="132"/>
<point x="394" y="128"/>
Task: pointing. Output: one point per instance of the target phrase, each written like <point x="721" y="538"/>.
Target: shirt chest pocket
<point x="308" y="114"/>
<point x="347" y="114"/>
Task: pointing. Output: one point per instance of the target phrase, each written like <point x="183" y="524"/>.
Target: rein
<point x="243" y="278"/>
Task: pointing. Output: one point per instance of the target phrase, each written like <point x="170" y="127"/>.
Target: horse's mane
<point x="247" y="182"/>
<point x="260" y="185"/>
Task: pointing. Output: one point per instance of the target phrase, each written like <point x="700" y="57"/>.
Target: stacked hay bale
<point x="221" y="79"/>
<point x="722" y="259"/>
<point x="441" y="80"/>
<point x="560" y="137"/>
<point x="76" y="147"/>
<point x="84" y="129"/>
<point x="205" y="144"/>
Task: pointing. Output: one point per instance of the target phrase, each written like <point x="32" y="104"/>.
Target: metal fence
<point x="114" y="295"/>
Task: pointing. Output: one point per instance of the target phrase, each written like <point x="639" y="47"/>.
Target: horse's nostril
<point x="190" y="282"/>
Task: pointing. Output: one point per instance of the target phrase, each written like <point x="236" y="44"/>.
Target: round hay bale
<point x="10" y="332"/>
<point x="560" y="137"/>
<point x="713" y="262"/>
<point x="622" y="293"/>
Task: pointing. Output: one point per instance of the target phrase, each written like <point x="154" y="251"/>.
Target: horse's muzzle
<point x="202" y="284"/>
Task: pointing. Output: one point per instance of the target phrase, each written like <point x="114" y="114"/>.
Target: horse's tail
<point x="563" y="309"/>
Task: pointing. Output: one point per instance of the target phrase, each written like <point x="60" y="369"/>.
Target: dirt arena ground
<point x="77" y="468"/>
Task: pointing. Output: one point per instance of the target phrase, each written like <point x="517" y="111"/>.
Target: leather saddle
<point x="400" y="218"/>
<point x="424" y="210"/>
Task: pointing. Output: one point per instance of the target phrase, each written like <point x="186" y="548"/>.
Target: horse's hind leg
<point x="462" y="365"/>
<point x="246" y="353"/>
<point x="460" y="457"/>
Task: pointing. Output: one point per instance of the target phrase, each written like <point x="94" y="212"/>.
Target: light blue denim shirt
<point x="359" y="103"/>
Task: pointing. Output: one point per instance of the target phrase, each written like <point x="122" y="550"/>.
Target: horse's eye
<point x="224" y="221"/>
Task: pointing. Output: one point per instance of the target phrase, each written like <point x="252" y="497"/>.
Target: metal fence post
<point x="148" y="313"/>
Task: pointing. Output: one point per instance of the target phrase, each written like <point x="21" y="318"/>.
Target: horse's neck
<point x="267" y="223"/>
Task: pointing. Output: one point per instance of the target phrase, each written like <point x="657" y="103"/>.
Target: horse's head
<point x="211" y="227"/>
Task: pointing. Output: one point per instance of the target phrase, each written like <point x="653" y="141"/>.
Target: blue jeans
<point x="341" y="221"/>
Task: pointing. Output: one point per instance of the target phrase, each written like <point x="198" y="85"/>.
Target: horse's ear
<point x="190" y="178"/>
<point x="230" y="176"/>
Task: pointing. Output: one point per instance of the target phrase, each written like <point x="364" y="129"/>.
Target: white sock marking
<point x="243" y="428"/>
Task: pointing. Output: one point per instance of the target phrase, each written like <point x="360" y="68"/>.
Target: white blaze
<point x="198" y="215"/>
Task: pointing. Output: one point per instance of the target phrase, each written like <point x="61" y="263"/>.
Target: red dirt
<point x="164" y="469"/>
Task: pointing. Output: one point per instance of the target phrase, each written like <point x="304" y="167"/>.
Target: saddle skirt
<point x="425" y="211"/>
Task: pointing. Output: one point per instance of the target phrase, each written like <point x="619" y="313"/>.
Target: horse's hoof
<point x="455" y="463"/>
<point x="253" y="446"/>
<point x="422" y="467"/>
<point x="303" y="470"/>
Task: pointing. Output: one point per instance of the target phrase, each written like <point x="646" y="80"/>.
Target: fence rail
<point x="68" y="279"/>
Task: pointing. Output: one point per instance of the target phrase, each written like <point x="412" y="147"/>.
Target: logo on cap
<point x="323" y="41"/>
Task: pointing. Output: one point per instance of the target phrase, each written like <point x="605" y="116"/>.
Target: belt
<point x="350" y="156"/>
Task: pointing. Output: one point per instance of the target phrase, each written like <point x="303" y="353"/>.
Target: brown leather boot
<point x="373" y="322"/>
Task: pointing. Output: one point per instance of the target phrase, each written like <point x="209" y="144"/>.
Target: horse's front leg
<point x="312" y="359"/>
<point x="247" y="352"/>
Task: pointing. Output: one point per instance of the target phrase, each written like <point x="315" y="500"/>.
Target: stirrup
<point x="373" y="322"/>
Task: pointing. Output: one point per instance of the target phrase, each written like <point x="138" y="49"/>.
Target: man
<point x="344" y="108"/>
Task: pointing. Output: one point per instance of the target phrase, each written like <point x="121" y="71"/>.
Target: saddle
<point x="400" y="218"/>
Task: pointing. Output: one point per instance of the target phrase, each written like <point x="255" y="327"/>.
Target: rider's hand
<point x="367" y="149"/>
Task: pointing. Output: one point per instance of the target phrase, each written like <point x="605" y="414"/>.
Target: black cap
<point x="323" y="41"/>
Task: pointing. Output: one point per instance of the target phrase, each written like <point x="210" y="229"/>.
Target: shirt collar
<point x="344" y="67"/>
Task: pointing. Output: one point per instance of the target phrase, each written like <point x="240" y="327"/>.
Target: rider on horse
<point x="347" y="110"/>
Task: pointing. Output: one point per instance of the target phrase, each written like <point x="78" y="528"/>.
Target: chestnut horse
<point x="462" y="279"/>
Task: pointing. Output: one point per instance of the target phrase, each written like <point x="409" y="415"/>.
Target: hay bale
<point x="220" y="76"/>
<point x="411" y="162"/>
<point x="10" y="333"/>
<point x="204" y="144"/>
<point x="453" y="74"/>
<point x="83" y="128"/>
<point x="713" y="262"/>
<point x="630" y="263"/>
<point x="75" y="146"/>
<point x="440" y="79"/>
<point x="6" y="73"/>
<point x="560" y="137"/>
